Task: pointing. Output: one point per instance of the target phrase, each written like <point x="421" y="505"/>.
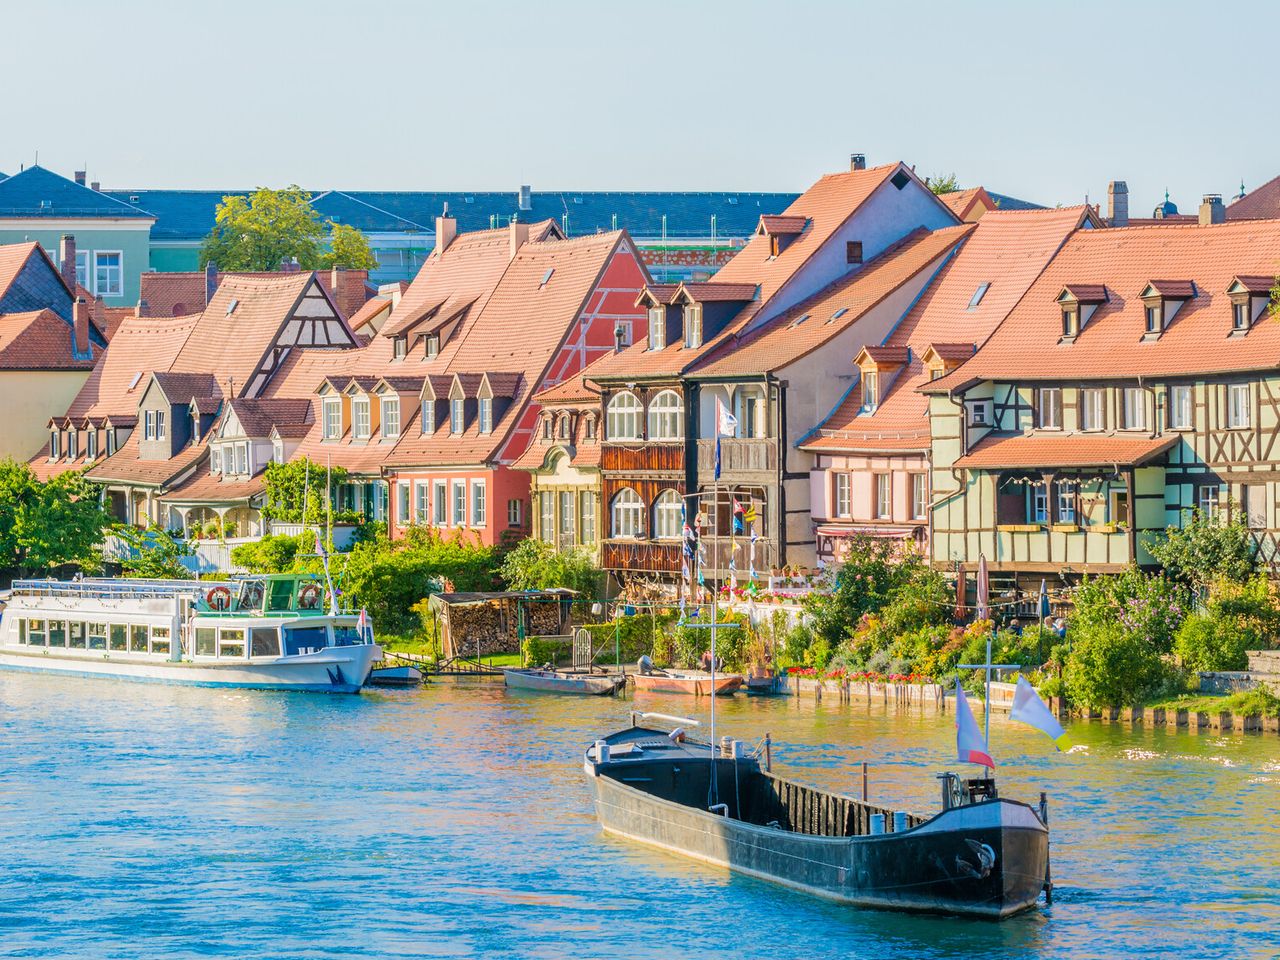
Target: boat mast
<point x="986" y="696"/>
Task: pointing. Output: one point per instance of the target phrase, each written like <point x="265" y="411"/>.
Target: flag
<point x="1045" y="609"/>
<point x="970" y="747"/>
<point x="362" y="625"/>
<point x="726" y="426"/>
<point x="751" y="563"/>
<point x="739" y="517"/>
<point x="684" y="570"/>
<point x="1031" y="710"/>
<point x="319" y="545"/>
<point x="984" y="589"/>
<point x="750" y="514"/>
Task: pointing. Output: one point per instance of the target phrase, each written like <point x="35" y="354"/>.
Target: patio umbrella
<point x="1045" y="612"/>
<point x="961" y="589"/>
<point x="984" y="588"/>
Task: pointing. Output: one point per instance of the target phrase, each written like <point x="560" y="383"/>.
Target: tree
<point x="349" y="248"/>
<point x="44" y="525"/>
<point x="943" y="184"/>
<point x="288" y="485"/>
<point x="1205" y="550"/>
<point x="154" y="554"/>
<point x="261" y="231"/>
<point x="1110" y="666"/>
<point x="537" y="565"/>
<point x="874" y="572"/>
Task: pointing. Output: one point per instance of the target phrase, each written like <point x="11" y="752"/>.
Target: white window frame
<point x="515" y="512"/>
<point x="98" y="289"/>
<point x="1039" y="503"/>
<point x="657" y="328"/>
<point x="440" y="503"/>
<point x="1181" y="400"/>
<point x="587" y="508"/>
<point x="666" y="416"/>
<point x="404" y="503"/>
<point x="1239" y="406"/>
<point x="1134" y="401"/>
<point x="361" y="431"/>
<point x="82" y="269"/>
<point x="919" y="496"/>
<point x="882" y="490"/>
<point x="1207" y="500"/>
<point x="1093" y="415"/>
<point x="458" y="503"/>
<point x="91" y="445"/>
<point x="479" y="504"/>
<point x="55" y="444"/>
<point x="160" y="427"/>
<point x="626" y="515"/>
<point x="331" y="414"/>
<point x="870" y="389"/>
<point x="1066" y="502"/>
<point x="666" y="516"/>
<point x="149" y="425"/>
<point x="1049" y="408"/>
<point x="421" y="501"/>
<point x="71" y="444"/>
<point x="843" y="497"/>
<point x="623" y="416"/>
<point x="390" y="417"/>
<point x="547" y="516"/>
<point x="215" y="460"/>
<point x="457" y="415"/>
<point x="485" y="414"/>
<point x="693" y="326"/>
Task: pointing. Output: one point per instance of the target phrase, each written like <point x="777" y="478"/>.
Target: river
<point x="453" y="821"/>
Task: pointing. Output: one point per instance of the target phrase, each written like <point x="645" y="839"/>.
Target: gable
<point x="29" y="281"/>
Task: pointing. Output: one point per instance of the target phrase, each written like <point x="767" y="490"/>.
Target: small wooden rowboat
<point x="694" y="682"/>
<point x="401" y="675"/>
<point x="564" y="681"/>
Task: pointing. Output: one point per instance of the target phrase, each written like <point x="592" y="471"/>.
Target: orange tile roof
<point x="41" y="340"/>
<point x="1111" y="345"/>
<point x="205" y="487"/>
<point x="369" y="312"/>
<point x="826" y="205"/>
<point x="1007" y="250"/>
<point x="125" y="465"/>
<point x="140" y="346"/>
<point x="572" y="390"/>
<point x="172" y="294"/>
<point x="1070" y="450"/>
<point x="814" y="322"/>
<point x="963" y="202"/>
<point x="782" y="225"/>
<point x="1259" y="203"/>
<point x="712" y="291"/>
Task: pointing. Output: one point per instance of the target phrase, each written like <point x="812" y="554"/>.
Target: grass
<point x="1248" y="703"/>
<point x="421" y="646"/>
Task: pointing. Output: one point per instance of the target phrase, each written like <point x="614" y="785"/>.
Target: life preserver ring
<point x="309" y="596"/>
<point x="218" y="598"/>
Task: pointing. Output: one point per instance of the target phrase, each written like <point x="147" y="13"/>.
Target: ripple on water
<point x="453" y="822"/>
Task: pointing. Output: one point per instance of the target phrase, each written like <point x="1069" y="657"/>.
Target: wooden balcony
<point x="739" y="457"/>
<point x="650" y="458"/>
<point x="642" y="556"/>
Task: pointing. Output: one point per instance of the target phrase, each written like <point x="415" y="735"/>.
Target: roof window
<point x="978" y="295"/>
<point x="839" y="313"/>
<point x="231" y="307"/>
<point x="546" y="277"/>
<point x="800" y="319"/>
<point x="136" y="377"/>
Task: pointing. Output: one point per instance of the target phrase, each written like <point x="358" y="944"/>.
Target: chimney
<point x="1212" y="210"/>
<point x="857" y="161"/>
<point x="80" y="175"/>
<point x="67" y="261"/>
<point x="210" y="282"/>
<point x="619" y="339"/>
<point x="1118" y="203"/>
<point x="519" y="233"/>
<point x="446" y="230"/>
<point x="142" y="309"/>
<point x="95" y="186"/>
<point x="526" y="197"/>
<point x="80" y="329"/>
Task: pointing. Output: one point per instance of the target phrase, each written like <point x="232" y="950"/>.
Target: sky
<point x="1039" y="100"/>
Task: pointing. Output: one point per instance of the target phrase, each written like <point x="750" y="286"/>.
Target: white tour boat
<point x="264" y="632"/>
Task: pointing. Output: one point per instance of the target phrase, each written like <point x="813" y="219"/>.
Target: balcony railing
<point x="738" y="456"/>
<point x="641" y="556"/>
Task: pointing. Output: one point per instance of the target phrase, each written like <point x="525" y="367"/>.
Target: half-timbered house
<point x="1135" y="382"/>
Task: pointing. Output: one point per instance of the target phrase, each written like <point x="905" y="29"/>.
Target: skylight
<point x="546" y="276"/>
<point x="978" y="295"/>
<point x="801" y="319"/>
<point x="231" y="307"/>
<point x="136" y="377"/>
<point x="839" y="313"/>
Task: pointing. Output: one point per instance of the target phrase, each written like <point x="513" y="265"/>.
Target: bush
<point x="154" y="554"/>
<point x="1150" y="606"/>
<point x="540" y="650"/>
<point x="1209" y="642"/>
<point x="1111" y="666"/>
<point x="272" y="554"/>
<point x="537" y="565"/>
<point x="1206" y="550"/>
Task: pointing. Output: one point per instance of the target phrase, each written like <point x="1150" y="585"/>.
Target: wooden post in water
<point x="864" y="781"/>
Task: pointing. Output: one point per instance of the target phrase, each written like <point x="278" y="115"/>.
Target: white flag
<point x="1030" y="709"/>
<point x="970" y="747"/>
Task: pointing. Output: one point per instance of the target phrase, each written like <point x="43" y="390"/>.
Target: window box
<point x="1019" y="527"/>
<point x="1065" y="528"/>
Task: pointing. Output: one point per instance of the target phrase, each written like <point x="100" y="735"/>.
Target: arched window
<point x="627" y="512"/>
<point x="666" y="416"/>
<point x="666" y="516"/>
<point x="624" y="417"/>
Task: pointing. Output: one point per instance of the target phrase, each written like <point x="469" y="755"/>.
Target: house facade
<point x="1111" y="403"/>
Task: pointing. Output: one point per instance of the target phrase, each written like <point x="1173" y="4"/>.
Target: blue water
<point x="152" y="821"/>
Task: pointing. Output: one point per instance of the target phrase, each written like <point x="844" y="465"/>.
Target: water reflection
<point x="454" y="821"/>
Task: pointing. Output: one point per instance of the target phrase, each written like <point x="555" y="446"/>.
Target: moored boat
<point x="693" y="682"/>
<point x="261" y="632"/>
<point x="582" y="683"/>
<point x="980" y="855"/>
<point x="401" y="675"/>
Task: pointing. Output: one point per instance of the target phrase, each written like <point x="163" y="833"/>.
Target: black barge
<point x="981" y="855"/>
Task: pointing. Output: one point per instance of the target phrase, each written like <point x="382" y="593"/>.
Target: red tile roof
<point x="290" y="417"/>
<point x="1111" y="345"/>
<point x="1174" y="289"/>
<point x="573" y="390"/>
<point x="41" y="340"/>
<point x="895" y="353"/>
<point x="205" y="487"/>
<point x="782" y="225"/>
<point x="1006" y="251"/>
<point x="1087" y="292"/>
<point x="964" y="202"/>
<point x="1258" y="204"/>
<point x="1073" y="450"/>
<point x="369" y="312"/>
<point x="126" y="466"/>
<point x="714" y="292"/>
<point x="140" y="346"/>
<point x="172" y="294"/>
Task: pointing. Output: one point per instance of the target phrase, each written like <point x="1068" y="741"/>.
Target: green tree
<point x="537" y="565"/>
<point x="1205" y="550"/>
<point x="349" y="248"/>
<point x="272" y="554"/>
<point x="1110" y="666"/>
<point x="154" y="554"/>
<point x="943" y="183"/>
<point x="874" y="573"/>
<point x="288" y="485"/>
<point x="258" y="232"/>
<point x="44" y="525"/>
<point x="1237" y="617"/>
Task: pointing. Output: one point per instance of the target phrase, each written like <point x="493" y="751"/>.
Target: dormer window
<point x="91" y="445"/>
<point x="195" y="426"/>
<point x="1240" y="316"/>
<point x="870" y="380"/>
<point x="215" y="461"/>
<point x="457" y="415"/>
<point x="360" y="424"/>
<point x="1070" y="321"/>
<point x="331" y="412"/>
<point x="433" y="345"/>
<point x="1077" y="303"/>
<point x="54" y="444"/>
<point x="548" y="427"/>
<point x="71" y="444"/>
<point x="1162" y="299"/>
<point x="1154" y="319"/>
<point x="657" y="328"/>
<point x="428" y="417"/>
<point x="589" y="428"/>
<point x="1250" y="297"/>
<point x="390" y="417"/>
<point x="692" y="326"/>
<point x="149" y="425"/>
<point x="399" y="347"/>
<point x="564" y="428"/>
<point x="486" y="414"/>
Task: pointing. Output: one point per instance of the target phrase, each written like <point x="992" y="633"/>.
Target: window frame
<point x="457" y="415"/>
<point x="1049" y="401"/>
<point x="666" y="517"/>
<point x="693" y="326"/>
<point x="1208" y="496"/>
<point x="440" y="503"/>
<point x="665" y="416"/>
<point x="390" y="418"/>
<point x="1239" y="418"/>
<point x="657" y="328"/>
<point x="479" y="506"/>
<point x="632" y="414"/>
<point x="842" y="495"/>
<point x="427" y="426"/>
<point x="357" y="431"/>
<point x="484" y="414"/>
<point x="919" y="497"/>
<point x="1092" y="399"/>
<point x="1128" y="421"/>
<point x="1175" y="393"/>
<point x="870" y="389"/>
<point x="882" y="496"/>
<point x="331" y="405"/>
<point x="630" y="509"/>
<point x="119" y="268"/>
<point x="458" y="505"/>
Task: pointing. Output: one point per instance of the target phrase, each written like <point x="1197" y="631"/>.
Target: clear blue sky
<point x="1045" y="101"/>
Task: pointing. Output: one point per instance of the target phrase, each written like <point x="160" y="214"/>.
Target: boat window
<point x="346" y="635"/>
<point x="264" y="642"/>
<point x="119" y="636"/>
<point x="97" y="636"/>
<point x="250" y="595"/>
<point x="138" y="638"/>
<point x="281" y="597"/>
<point x="206" y="642"/>
<point x="57" y="633"/>
<point x="76" y="633"/>
<point x="159" y="639"/>
<point x="36" y="633"/>
<point x="231" y="642"/>
<point x="297" y="639"/>
<point x="22" y="632"/>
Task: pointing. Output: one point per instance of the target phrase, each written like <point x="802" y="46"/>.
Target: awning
<point x="886" y="533"/>
<point x="1071" y="450"/>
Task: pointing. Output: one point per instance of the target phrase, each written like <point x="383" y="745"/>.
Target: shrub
<point x="1210" y="642"/>
<point x="1150" y="606"/>
<point x="1112" y="666"/>
<point x="1206" y="550"/>
<point x="272" y="554"/>
<point x="540" y="650"/>
<point x="537" y="565"/>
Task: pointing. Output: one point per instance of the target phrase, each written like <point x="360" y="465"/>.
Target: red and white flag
<point x="970" y="746"/>
<point x="319" y="545"/>
<point x="362" y="625"/>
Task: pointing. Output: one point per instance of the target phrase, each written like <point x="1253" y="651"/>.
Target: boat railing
<point x="114" y="589"/>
